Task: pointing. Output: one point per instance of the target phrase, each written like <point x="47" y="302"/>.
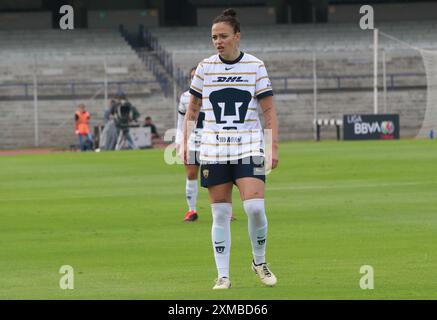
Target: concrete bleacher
<point x="287" y="49"/>
<point x="321" y="37"/>
<point x="79" y="54"/>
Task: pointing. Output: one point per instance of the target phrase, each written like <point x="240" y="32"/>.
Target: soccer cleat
<point x="222" y="283"/>
<point x="233" y="217"/>
<point x="264" y="273"/>
<point x="191" y="216"/>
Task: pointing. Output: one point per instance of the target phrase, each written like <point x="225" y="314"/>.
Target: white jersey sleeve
<point x="263" y="87"/>
<point x="182" y="109"/>
<point x="196" y="87"/>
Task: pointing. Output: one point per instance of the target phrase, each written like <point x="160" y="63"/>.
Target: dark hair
<point x="229" y="16"/>
<point x="120" y="94"/>
<point x="148" y="118"/>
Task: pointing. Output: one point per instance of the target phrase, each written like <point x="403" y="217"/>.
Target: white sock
<point x="257" y="225"/>
<point x="221" y="236"/>
<point x="191" y="194"/>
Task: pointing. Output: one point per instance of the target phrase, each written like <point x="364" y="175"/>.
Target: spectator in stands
<point x="107" y="115"/>
<point x="107" y="112"/>
<point x="156" y="139"/>
<point x="109" y="135"/>
<point x="148" y="123"/>
<point x="123" y="113"/>
<point x="82" y="129"/>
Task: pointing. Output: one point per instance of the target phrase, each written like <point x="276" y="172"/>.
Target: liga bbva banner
<point x="370" y="126"/>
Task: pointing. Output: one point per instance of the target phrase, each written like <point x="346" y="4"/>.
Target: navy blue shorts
<point x="216" y="173"/>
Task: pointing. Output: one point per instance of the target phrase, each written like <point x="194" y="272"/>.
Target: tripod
<point x="124" y="137"/>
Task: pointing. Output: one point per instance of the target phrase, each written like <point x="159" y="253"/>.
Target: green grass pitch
<point x="116" y="218"/>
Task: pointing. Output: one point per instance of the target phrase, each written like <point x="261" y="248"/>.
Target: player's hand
<point x="182" y="152"/>
<point x="76" y="132"/>
<point x="178" y="150"/>
<point x="272" y="159"/>
<point x="275" y="158"/>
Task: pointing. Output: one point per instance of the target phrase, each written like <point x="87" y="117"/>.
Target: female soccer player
<point x="192" y="167"/>
<point x="229" y="86"/>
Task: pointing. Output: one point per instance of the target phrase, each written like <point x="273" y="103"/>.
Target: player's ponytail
<point x="229" y="16"/>
<point x="229" y="12"/>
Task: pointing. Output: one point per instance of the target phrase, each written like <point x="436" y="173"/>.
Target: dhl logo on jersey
<point x="230" y="79"/>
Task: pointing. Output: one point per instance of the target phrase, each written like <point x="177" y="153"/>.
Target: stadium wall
<point x="384" y="12"/>
<point x="295" y="112"/>
<point x="130" y="19"/>
<point x="25" y="20"/>
<point x="247" y="15"/>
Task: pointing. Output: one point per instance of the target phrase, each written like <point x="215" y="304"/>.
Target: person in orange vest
<point x="82" y="118"/>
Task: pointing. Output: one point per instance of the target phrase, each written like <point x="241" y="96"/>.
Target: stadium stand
<point x="70" y="68"/>
<point x="323" y="37"/>
<point x="80" y="55"/>
<point x="344" y="64"/>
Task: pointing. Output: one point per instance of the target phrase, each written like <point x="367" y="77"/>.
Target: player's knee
<point x="192" y="175"/>
<point x="254" y="207"/>
<point x="221" y="212"/>
<point x="192" y="172"/>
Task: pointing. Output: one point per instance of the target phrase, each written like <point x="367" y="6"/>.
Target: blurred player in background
<point x="229" y="87"/>
<point x="192" y="167"/>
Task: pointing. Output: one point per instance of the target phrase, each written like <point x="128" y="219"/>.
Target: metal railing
<point x="391" y="80"/>
<point x="27" y="87"/>
<point x="181" y="77"/>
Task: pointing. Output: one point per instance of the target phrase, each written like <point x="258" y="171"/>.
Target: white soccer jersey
<point x="230" y="93"/>
<point x="194" y="141"/>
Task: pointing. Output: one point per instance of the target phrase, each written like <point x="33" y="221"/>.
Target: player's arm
<point x="271" y="122"/>
<point x="190" y="118"/>
<point x="180" y="122"/>
<point x="76" y="124"/>
<point x="135" y="113"/>
<point x="179" y="129"/>
<point x="113" y="109"/>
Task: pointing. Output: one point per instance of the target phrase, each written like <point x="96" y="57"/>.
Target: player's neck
<point x="233" y="56"/>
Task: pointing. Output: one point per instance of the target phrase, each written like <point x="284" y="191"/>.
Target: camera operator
<point x="123" y="113"/>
